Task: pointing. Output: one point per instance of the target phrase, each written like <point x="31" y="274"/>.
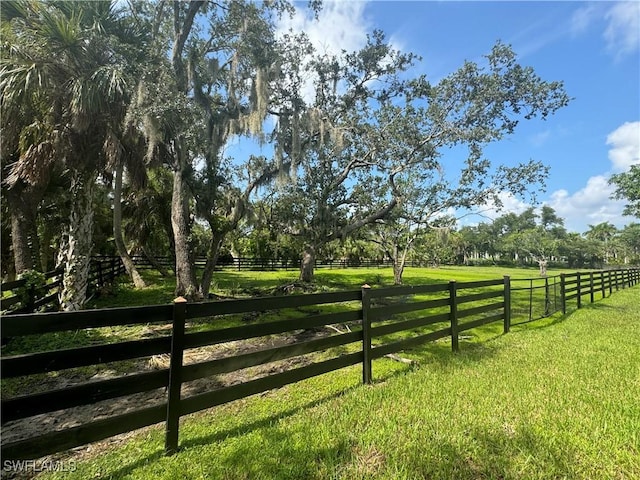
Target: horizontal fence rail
<point x="251" y="263"/>
<point x="102" y="271"/>
<point x="375" y="323"/>
<point x="536" y="298"/>
<point x="28" y="299"/>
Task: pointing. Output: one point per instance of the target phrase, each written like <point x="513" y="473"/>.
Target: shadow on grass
<point x="506" y="451"/>
<point x="240" y="430"/>
<point x="515" y="451"/>
<point x="441" y="355"/>
<point x="559" y="317"/>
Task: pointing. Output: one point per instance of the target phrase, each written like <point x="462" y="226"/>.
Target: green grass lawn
<point x="251" y="283"/>
<point x="556" y="398"/>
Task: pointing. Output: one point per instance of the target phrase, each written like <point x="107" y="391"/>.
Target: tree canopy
<point x="116" y="120"/>
<point x="628" y="188"/>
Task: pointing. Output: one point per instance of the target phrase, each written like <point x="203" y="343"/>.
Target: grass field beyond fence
<point x="556" y="398"/>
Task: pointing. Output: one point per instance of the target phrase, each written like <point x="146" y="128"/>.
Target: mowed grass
<point x="557" y="398"/>
<point x="254" y="283"/>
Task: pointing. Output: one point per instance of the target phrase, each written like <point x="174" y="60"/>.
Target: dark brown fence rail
<point x="535" y="298"/>
<point x="102" y="271"/>
<point x="34" y="297"/>
<point x="374" y="323"/>
<point x="372" y="317"/>
<point x="258" y="264"/>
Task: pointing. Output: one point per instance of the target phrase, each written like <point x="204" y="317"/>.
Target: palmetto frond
<point x="63" y="65"/>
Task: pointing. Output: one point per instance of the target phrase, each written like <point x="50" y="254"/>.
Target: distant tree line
<point x="532" y="238"/>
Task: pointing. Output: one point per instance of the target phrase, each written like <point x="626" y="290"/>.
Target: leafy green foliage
<point x="628" y="188"/>
<point x="34" y="280"/>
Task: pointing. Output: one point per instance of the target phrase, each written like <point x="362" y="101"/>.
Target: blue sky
<point x="594" y="48"/>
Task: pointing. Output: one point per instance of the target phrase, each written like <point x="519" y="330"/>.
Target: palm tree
<point x="68" y="59"/>
<point x="603" y="232"/>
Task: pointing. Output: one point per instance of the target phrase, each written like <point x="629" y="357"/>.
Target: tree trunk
<point x="307" y="264"/>
<point x="185" y="270"/>
<point x="137" y="280"/>
<point x="24" y="235"/>
<point x="398" y="270"/>
<point x="76" y="250"/>
<point x="399" y="261"/>
<point x="543" y="267"/>
<point x="154" y="262"/>
<point x="22" y="257"/>
<point x="212" y="261"/>
<point x="47" y="253"/>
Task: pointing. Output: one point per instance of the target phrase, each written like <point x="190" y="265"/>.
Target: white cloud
<point x="582" y="18"/>
<point x="340" y="26"/>
<point x="622" y="33"/>
<point x="588" y="206"/>
<point x="540" y="138"/>
<point x="625" y="146"/>
<point x="510" y="204"/>
<point x="592" y="204"/>
<point x="620" y="22"/>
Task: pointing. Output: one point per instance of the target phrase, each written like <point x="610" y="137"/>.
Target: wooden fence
<point x="102" y="270"/>
<point x="575" y="286"/>
<point x="261" y="264"/>
<point x="34" y="297"/>
<point x="535" y="298"/>
<point x="382" y="321"/>
<point x="376" y="317"/>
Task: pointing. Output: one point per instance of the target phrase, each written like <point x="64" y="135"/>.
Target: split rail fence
<point x="382" y="321"/>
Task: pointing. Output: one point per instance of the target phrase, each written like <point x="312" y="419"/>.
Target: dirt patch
<point x="63" y="419"/>
<point x="367" y="462"/>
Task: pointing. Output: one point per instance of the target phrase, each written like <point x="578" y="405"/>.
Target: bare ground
<point x="63" y="419"/>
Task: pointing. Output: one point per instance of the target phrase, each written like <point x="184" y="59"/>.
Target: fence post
<point x="591" y="287"/>
<point x="530" y="299"/>
<point x="610" y="283"/>
<point x="579" y="292"/>
<point x="563" y="300"/>
<point x="366" y="334"/>
<point x="602" y="285"/>
<point x="175" y="376"/>
<point x="507" y="303"/>
<point x="547" y="302"/>
<point x="30" y="306"/>
<point x="100" y="279"/>
<point x="453" y="315"/>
